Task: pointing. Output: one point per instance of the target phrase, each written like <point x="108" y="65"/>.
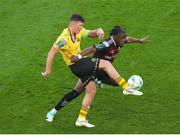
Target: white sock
<point x="54" y="111"/>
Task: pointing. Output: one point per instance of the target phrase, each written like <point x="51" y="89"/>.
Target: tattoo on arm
<point x="88" y="51"/>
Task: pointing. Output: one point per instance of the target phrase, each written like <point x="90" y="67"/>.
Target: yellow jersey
<point x="67" y="47"/>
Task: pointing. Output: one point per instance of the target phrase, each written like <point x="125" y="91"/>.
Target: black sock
<point x="67" y="99"/>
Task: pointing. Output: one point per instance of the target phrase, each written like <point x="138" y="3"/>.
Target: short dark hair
<point x="117" y="30"/>
<point x="77" y="17"/>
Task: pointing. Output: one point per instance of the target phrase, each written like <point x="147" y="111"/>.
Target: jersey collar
<point x="113" y="40"/>
<point x="71" y="36"/>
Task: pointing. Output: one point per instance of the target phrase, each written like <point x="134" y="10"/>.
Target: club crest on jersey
<point x="61" y="43"/>
<point x="93" y="59"/>
<point x="78" y="39"/>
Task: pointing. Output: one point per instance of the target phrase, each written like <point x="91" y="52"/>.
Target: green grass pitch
<point x="28" y="28"/>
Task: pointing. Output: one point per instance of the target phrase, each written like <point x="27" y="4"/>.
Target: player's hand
<point x="100" y="34"/>
<point x="74" y="58"/>
<point x="144" y="40"/>
<point x="45" y="74"/>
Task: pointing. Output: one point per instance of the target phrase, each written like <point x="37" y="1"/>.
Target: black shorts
<point x="104" y="78"/>
<point x="85" y="69"/>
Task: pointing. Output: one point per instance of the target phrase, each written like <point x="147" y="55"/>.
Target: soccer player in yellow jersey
<point x="68" y="44"/>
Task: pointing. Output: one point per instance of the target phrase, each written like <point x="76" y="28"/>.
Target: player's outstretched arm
<point x="96" y="33"/>
<point x="88" y="51"/>
<point x="137" y="40"/>
<point x="49" y="61"/>
<point x="85" y="52"/>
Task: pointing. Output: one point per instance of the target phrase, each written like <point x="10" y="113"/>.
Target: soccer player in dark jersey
<point x="106" y="50"/>
<point x="109" y="49"/>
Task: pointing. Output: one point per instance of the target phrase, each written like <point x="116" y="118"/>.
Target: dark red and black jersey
<point x="107" y="49"/>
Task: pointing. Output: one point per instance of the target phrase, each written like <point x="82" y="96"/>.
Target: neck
<point x="72" y="33"/>
<point x="71" y="30"/>
<point x="112" y="37"/>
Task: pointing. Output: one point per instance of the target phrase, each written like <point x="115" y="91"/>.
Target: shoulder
<point x="103" y="45"/>
<point x="65" y="33"/>
<point x="84" y="32"/>
<point x="83" y="29"/>
<point x="62" y="40"/>
<point x="108" y="42"/>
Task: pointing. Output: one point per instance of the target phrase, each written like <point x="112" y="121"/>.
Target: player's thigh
<point x="79" y="86"/>
<point x="103" y="64"/>
<point x="85" y="66"/>
<point x="105" y="78"/>
<point x="86" y="79"/>
<point x="91" y="87"/>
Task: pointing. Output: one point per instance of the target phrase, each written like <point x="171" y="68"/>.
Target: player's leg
<point x="88" y="98"/>
<point x="84" y="69"/>
<point x="111" y="71"/>
<point x="104" y="78"/>
<point x="74" y="93"/>
<point x="70" y="96"/>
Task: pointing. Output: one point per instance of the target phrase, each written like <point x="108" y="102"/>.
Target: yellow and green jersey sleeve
<point x="61" y="42"/>
<point x="84" y="33"/>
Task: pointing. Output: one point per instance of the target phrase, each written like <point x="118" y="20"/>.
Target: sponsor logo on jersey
<point x="93" y="59"/>
<point x="106" y="43"/>
<point x="61" y="43"/>
<point x="78" y="39"/>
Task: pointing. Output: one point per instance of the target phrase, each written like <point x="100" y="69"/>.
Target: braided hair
<point x="117" y="30"/>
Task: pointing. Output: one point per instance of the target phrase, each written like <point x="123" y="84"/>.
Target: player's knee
<point x="91" y="88"/>
<point x="92" y="92"/>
